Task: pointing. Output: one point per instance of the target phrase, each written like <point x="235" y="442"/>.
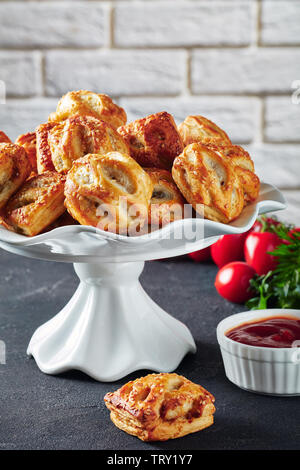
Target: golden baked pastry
<point x="28" y="142"/>
<point x="209" y="183"/>
<point x="200" y="129"/>
<point x="153" y="141"/>
<point x="88" y="103"/>
<point x="62" y="221"/>
<point x="167" y="203"/>
<point x="74" y="138"/>
<point x="37" y="204"/>
<point x="14" y="169"/>
<point x="244" y="168"/>
<point x="111" y="192"/>
<point x="160" y="407"/>
<point x="4" y="139"/>
<point x="43" y="152"/>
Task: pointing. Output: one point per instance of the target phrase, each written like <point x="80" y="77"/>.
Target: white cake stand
<point x="111" y="327"/>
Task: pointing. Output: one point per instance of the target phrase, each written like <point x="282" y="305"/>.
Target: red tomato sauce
<point x="274" y="332"/>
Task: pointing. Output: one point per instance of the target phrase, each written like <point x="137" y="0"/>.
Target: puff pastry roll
<point x="159" y="407"/>
<point x="111" y="192"/>
<point x="73" y="138"/>
<point x="87" y="103"/>
<point x="153" y="141"/>
<point x="209" y="183"/>
<point x="28" y="142"/>
<point x="167" y="203"/>
<point x="14" y="169"/>
<point x="43" y="152"/>
<point x="4" y="139"/>
<point x="200" y="129"/>
<point x="37" y="204"/>
<point x="244" y="168"/>
<point x="62" y="221"/>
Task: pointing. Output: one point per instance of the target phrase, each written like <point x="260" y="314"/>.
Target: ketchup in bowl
<point x="274" y="332"/>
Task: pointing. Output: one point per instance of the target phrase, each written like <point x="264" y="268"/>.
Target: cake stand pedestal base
<point x="110" y="328"/>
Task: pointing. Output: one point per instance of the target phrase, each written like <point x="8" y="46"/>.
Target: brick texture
<point x="116" y="72"/>
<point x="282" y="120"/>
<point x="256" y="71"/>
<point x="280" y="22"/>
<point x="21" y="72"/>
<point x="53" y="24"/>
<point x="233" y="61"/>
<point x="239" y="116"/>
<point x="292" y="210"/>
<point x="21" y="116"/>
<point x="277" y="164"/>
<point x="186" y="23"/>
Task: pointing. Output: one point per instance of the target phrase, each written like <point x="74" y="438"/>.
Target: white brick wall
<point x="21" y="72"/>
<point x="53" y="24"/>
<point x="20" y="115"/>
<point x="185" y="23"/>
<point x="282" y="120"/>
<point x="231" y="60"/>
<point x="238" y="115"/>
<point x="116" y="72"/>
<point x="280" y="22"/>
<point x="252" y="70"/>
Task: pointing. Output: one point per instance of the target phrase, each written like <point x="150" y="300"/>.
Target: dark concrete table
<point x="67" y="411"/>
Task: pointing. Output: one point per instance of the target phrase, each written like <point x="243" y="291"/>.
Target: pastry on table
<point x="88" y="103"/>
<point x="4" y="139"/>
<point x="153" y="141"/>
<point x="167" y="203"/>
<point x="209" y="182"/>
<point x="37" y="204"/>
<point x="14" y="170"/>
<point x="159" y="407"/>
<point x="28" y="142"/>
<point x="200" y="129"/>
<point x="110" y="191"/>
<point x="60" y="144"/>
<point x="244" y="168"/>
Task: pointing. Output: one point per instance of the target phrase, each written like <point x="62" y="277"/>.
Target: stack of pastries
<point x="87" y="165"/>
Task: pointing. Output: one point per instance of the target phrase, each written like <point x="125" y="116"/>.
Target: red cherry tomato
<point x="233" y="281"/>
<point x="257" y="246"/>
<point x="228" y="248"/>
<point x="201" y="255"/>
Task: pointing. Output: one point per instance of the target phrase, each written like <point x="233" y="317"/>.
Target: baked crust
<point x="200" y="129"/>
<point x="153" y="141"/>
<point x="37" y="204"/>
<point x="28" y="142"/>
<point x="62" y="221"/>
<point x="110" y="191"/>
<point x="65" y="142"/>
<point x="4" y="139"/>
<point x="209" y="183"/>
<point x="244" y="168"/>
<point x="159" y="407"/>
<point x="14" y="169"/>
<point x="43" y="152"/>
<point x="88" y="103"/>
<point x="167" y="203"/>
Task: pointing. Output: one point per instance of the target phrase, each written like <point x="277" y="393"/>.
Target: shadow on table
<point x="206" y="358"/>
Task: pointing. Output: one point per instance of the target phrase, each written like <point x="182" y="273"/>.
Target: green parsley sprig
<point x="280" y="288"/>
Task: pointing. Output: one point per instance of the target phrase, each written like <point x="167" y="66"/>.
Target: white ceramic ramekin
<point x="274" y="371"/>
